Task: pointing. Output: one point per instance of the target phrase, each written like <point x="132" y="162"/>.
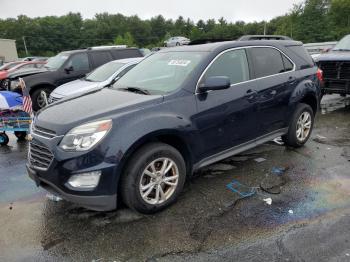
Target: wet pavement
<point x="300" y="210"/>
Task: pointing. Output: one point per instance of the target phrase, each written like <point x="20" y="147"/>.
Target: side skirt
<point x="239" y="149"/>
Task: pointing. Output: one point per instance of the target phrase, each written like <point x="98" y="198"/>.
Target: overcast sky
<point x="231" y="10"/>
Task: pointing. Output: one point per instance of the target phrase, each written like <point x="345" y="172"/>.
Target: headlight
<point x="84" y="137"/>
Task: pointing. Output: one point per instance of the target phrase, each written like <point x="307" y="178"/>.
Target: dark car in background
<point x="175" y="112"/>
<point x="336" y="68"/>
<point x="4" y="74"/>
<point x="68" y="66"/>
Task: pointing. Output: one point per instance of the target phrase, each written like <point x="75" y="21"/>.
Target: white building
<point x="8" y="50"/>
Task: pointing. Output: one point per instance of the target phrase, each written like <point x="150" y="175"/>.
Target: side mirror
<point x="69" y="69"/>
<point x="215" y="83"/>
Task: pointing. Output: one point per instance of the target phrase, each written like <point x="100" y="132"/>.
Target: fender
<point x="45" y="78"/>
<point x="308" y="90"/>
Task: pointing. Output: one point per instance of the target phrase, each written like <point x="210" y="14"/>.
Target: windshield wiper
<point x="136" y="90"/>
<point x="341" y="49"/>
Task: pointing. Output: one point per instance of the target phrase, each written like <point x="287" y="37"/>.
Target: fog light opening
<point x="88" y="180"/>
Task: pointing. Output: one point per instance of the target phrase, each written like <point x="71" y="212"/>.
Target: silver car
<point x="102" y="76"/>
<point x="177" y="41"/>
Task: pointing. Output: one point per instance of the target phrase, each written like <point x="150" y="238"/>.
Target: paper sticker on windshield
<point x="179" y="62"/>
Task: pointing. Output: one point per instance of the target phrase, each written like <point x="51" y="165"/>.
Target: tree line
<point x="310" y="21"/>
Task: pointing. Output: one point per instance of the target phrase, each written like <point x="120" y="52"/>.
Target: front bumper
<point x="335" y="86"/>
<point x="93" y="202"/>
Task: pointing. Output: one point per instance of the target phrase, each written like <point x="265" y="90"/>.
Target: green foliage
<point x="311" y="21"/>
<point x="127" y="39"/>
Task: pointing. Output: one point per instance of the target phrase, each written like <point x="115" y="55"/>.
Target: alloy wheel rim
<point x="304" y="126"/>
<point x="41" y="99"/>
<point x="159" y="181"/>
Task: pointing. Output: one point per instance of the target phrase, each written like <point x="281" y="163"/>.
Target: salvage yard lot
<point x="308" y="219"/>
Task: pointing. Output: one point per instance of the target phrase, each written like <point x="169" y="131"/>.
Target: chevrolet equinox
<point x="177" y="111"/>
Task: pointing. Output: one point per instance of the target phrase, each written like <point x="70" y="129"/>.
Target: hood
<point x="75" y="87"/>
<point x="104" y="103"/>
<point x="334" y="56"/>
<point x="27" y="72"/>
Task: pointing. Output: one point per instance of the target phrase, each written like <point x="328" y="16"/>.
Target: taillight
<point x="320" y="75"/>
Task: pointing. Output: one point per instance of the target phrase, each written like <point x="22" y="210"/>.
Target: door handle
<point x="251" y="94"/>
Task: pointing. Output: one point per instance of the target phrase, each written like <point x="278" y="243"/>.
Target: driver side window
<point x="79" y="62"/>
<point x="232" y="64"/>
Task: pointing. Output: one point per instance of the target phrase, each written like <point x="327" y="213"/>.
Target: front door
<point x="76" y="67"/>
<point x="227" y="118"/>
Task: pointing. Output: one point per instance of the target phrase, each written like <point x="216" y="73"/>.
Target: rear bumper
<point x="97" y="203"/>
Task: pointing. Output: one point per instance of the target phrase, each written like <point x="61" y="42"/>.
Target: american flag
<point x="27" y="101"/>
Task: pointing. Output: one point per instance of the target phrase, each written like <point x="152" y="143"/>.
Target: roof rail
<point x="106" y="46"/>
<point x="263" y="37"/>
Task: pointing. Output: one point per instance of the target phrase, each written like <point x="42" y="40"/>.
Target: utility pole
<point x="25" y="45"/>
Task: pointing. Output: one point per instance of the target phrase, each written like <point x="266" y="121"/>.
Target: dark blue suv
<point x="177" y="111"/>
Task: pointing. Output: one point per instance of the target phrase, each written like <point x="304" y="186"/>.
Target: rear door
<point x="227" y="118"/>
<point x="100" y="58"/>
<point x="121" y="53"/>
<point x="276" y="80"/>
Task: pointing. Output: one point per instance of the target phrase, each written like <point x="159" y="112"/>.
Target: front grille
<point x="39" y="156"/>
<point x="335" y="70"/>
<point x="43" y="132"/>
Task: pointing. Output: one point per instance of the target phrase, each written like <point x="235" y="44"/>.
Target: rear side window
<point x="126" y="53"/>
<point x="267" y="61"/>
<point x="288" y="65"/>
<point x="303" y="55"/>
<point x="233" y="64"/>
<point x="101" y="58"/>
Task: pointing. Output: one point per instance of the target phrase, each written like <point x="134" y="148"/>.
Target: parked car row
<point x="159" y="119"/>
<point x="66" y="67"/>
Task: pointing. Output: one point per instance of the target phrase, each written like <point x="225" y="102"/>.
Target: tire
<point x="4" y="139"/>
<point x="298" y="135"/>
<point x="177" y="44"/>
<point x="134" y="177"/>
<point x="37" y="98"/>
<point x="21" y="135"/>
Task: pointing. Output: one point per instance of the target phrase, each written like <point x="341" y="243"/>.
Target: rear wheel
<point x="38" y="97"/>
<point x="300" y="127"/>
<point x="4" y="139"/>
<point x="153" y="179"/>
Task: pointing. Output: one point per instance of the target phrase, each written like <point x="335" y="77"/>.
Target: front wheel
<point x="300" y="127"/>
<point x="39" y="98"/>
<point x="153" y="179"/>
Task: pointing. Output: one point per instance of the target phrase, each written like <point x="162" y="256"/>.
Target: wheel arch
<point x="172" y="138"/>
<point x="310" y="100"/>
<point x="41" y="85"/>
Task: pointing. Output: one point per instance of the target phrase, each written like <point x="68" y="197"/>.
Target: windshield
<point x="161" y="72"/>
<point x="343" y="44"/>
<point x="56" y="61"/>
<point x="104" y="72"/>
